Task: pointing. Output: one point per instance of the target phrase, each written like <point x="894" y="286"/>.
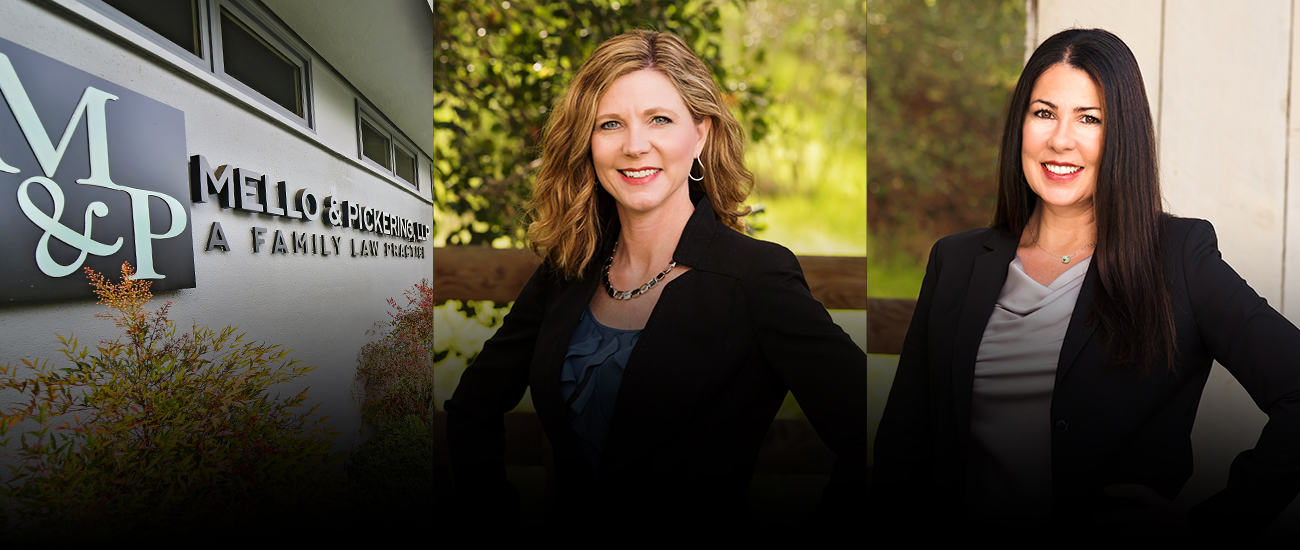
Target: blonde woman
<point x="658" y="340"/>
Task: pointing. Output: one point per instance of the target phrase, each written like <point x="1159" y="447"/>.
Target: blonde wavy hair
<point x="569" y="208"/>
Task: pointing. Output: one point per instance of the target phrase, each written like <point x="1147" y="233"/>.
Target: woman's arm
<point x="904" y="449"/>
<point x="822" y="367"/>
<point x="490" y="387"/>
<point x="1261" y="348"/>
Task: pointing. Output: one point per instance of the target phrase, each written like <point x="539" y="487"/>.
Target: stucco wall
<point x="1222" y="88"/>
<point x="320" y="307"/>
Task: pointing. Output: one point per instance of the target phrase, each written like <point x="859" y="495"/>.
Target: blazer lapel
<point x="562" y="316"/>
<point x="988" y="275"/>
<point x="1080" y="330"/>
<point x="553" y="343"/>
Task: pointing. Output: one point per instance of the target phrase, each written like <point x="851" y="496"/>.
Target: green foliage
<point x="393" y="471"/>
<point x="158" y="432"/>
<point x="395" y="372"/>
<point x="939" y="75"/>
<point x="459" y="331"/>
<point x="811" y="168"/>
<point x="898" y="276"/>
<point x="812" y="55"/>
<point x="499" y="68"/>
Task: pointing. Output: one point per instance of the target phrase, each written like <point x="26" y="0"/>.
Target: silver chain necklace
<point x="629" y="294"/>
<point x="1065" y="258"/>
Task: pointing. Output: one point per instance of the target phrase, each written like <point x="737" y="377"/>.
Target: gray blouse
<point x="1010" y="466"/>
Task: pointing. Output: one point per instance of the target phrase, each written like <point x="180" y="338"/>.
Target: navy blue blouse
<point x="589" y="380"/>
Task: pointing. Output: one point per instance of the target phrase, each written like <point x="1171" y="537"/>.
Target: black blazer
<point x="725" y="342"/>
<point x="1109" y="426"/>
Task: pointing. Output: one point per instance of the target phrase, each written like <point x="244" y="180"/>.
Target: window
<point x="242" y="46"/>
<point x="176" y="25"/>
<point x="251" y="55"/>
<point x="405" y="167"/>
<point x="175" y="21"/>
<point x="383" y="147"/>
<point x="374" y="145"/>
<point x="251" y="60"/>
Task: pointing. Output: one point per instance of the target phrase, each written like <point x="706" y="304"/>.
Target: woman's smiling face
<point x="1063" y="138"/>
<point x="645" y="142"/>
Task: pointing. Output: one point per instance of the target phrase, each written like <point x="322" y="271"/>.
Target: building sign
<point x="239" y="188"/>
<point x="91" y="175"/>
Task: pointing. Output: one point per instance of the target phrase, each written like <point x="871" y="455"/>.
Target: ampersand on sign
<point x="52" y="228"/>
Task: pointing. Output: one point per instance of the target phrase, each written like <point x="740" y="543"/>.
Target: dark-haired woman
<point x="1053" y="367"/>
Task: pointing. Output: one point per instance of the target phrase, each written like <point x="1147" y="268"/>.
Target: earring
<point x="692" y="176"/>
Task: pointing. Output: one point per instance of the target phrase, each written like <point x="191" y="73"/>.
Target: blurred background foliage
<point x="940" y="74"/>
<point x="502" y="65"/>
<point x="794" y="73"/>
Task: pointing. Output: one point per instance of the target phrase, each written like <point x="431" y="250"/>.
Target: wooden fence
<point x="887" y="322"/>
<point x="474" y="273"/>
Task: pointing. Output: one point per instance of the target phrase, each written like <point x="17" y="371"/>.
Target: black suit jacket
<point x="725" y="342"/>
<point x="1109" y="426"/>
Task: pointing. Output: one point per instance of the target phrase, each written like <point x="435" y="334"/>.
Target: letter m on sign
<point x="61" y="207"/>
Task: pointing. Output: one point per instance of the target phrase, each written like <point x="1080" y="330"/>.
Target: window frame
<point x="254" y="17"/>
<point x="395" y="140"/>
<point x="202" y="61"/>
<point x="267" y="32"/>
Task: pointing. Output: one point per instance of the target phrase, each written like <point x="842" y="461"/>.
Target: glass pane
<point x="175" y="20"/>
<point x="260" y="66"/>
<point x="405" y="165"/>
<point x="374" y="145"/>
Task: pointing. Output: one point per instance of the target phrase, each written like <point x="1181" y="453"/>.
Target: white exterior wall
<point x="1223" y="87"/>
<point x="320" y="307"/>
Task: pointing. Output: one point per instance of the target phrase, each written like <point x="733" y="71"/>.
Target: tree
<point x="939" y="75"/>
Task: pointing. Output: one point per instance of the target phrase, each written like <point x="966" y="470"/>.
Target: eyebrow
<point x="1076" y="109"/>
<point x="648" y="111"/>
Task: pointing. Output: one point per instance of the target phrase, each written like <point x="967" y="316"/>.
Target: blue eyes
<point x="614" y="125"/>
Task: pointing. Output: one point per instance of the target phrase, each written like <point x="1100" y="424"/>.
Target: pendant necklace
<point x="629" y="294"/>
<point x="1065" y="258"/>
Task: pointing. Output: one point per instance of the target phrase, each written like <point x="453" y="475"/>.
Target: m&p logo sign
<point x="91" y="175"/>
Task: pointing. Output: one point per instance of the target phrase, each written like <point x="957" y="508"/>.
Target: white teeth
<point x="640" y="173"/>
<point x="1062" y="170"/>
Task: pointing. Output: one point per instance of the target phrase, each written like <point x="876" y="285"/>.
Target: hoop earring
<point x="692" y="176"/>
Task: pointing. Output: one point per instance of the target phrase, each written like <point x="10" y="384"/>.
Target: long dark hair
<point x="1132" y="305"/>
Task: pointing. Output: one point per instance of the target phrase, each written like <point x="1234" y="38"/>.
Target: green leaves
<point x="939" y="76"/>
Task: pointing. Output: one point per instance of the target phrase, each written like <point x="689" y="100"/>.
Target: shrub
<point x="155" y="431"/>
<point x="393" y="472"/>
<point x="395" y="372"/>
